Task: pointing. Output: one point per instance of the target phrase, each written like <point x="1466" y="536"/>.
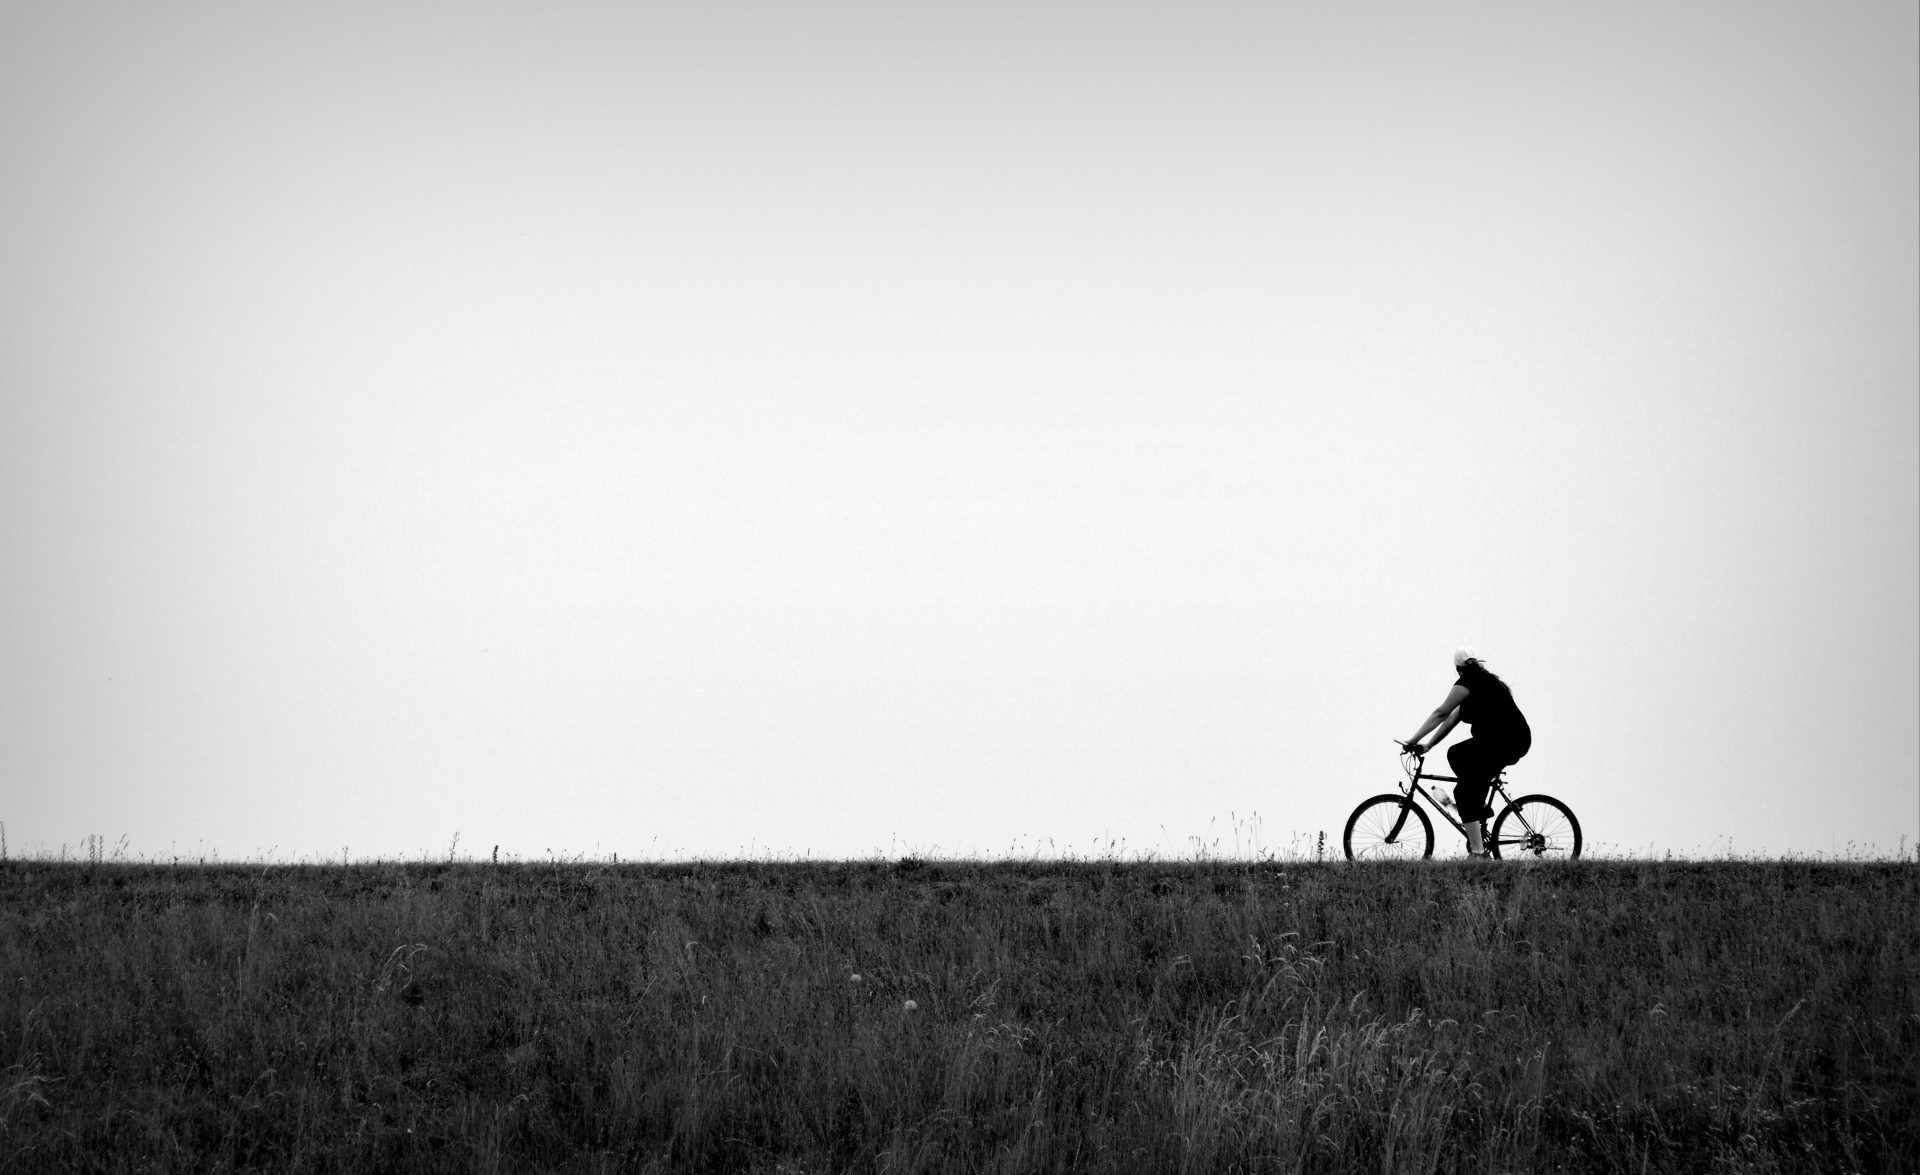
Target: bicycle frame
<point x="1412" y="786"/>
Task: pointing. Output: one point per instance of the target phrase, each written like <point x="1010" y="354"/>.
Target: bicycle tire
<point x="1377" y="818"/>
<point x="1546" y="829"/>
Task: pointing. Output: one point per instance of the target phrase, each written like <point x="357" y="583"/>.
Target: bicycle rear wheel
<point x="1389" y="828"/>
<point x="1536" y="826"/>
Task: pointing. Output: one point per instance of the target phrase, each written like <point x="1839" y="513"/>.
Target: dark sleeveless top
<point x="1491" y="712"/>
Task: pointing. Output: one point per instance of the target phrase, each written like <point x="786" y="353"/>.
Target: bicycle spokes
<point x="1537" y="826"/>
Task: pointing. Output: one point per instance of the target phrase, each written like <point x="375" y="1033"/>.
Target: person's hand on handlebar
<point x="1413" y="747"/>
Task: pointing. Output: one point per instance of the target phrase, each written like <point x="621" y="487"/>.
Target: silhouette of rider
<point x="1501" y="737"/>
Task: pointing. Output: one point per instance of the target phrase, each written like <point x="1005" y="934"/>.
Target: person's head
<point x="1470" y="667"/>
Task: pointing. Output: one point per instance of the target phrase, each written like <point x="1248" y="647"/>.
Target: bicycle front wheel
<point x="1536" y="826"/>
<point x="1389" y="828"/>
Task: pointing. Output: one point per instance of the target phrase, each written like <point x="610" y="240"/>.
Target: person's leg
<point x="1497" y="758"/>
<point x="1470" y="765"/>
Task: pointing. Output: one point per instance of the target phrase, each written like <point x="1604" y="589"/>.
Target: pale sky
<point x="816" y="428"/>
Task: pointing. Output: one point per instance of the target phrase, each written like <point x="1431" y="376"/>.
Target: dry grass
<point x="1088" y="1017"/>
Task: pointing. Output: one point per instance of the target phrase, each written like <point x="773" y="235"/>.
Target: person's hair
<point x="1474" y="667"/>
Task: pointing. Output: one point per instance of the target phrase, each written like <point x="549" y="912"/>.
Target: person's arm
<point x="1445" y="716"/>
<point x="1446" y="728"/>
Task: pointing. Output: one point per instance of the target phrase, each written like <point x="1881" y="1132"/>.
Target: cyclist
<point x="1501" y="737"/>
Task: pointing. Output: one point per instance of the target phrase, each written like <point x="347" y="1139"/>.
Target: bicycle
<point x="1378" y="830"/>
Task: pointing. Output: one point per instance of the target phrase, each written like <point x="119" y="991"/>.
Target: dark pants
<point x="1475" y="763"/>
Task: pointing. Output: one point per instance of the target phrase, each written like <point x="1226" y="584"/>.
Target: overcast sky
<point x="819" y="428"/>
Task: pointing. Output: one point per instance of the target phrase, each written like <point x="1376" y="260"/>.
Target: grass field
<point x="910" y="1016"/>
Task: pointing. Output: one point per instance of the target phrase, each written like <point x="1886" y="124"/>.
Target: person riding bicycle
<point x="1501" y="737"/>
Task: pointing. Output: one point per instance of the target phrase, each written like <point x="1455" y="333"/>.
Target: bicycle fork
<point x="1406" y="808"/>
